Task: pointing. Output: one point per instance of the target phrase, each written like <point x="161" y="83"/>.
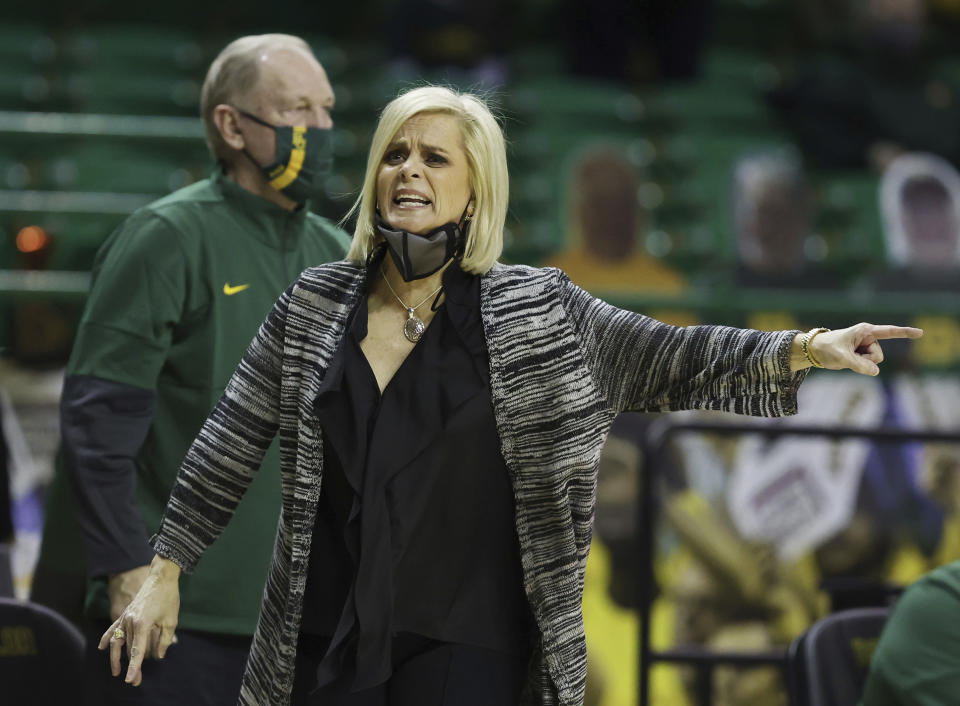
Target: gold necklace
<point x="413" y="327"/>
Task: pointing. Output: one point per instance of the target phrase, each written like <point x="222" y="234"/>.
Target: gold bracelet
<point x="805" y="345"/>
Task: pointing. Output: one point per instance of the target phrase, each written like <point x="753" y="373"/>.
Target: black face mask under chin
<point x="419" y="256"/>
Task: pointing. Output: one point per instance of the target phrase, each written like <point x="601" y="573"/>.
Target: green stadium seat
<point x="739" y="69"/>
<point x="116" y="91"/>
<point x="849" y="218"/>
<point x="138" y="48"/>
<point x="14" y="174"/>
<point x="713" y="109"/>
<point x="593" y="105"/>
<point x="532" y="61"/>
<point x="27" y="90"/>
<point x="26" y="47"/>
<point x="125" y="168"/>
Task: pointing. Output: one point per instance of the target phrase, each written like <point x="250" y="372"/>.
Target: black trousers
<point x="425" y="673"/>
<point x="202" y="669"/>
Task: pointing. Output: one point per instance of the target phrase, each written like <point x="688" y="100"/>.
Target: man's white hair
<point x="232" y="75"/>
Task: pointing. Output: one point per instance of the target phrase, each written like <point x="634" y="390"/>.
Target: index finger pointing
<point x="886" y="331"/>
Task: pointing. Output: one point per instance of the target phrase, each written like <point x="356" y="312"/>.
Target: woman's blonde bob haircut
<point x="487" y="156"/>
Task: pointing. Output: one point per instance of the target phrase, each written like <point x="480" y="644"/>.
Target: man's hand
<point x="123" y="587"/>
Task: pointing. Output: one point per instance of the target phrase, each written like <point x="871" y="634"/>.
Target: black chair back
<point x="41" y="655"/>
<point x="828" y="664"/>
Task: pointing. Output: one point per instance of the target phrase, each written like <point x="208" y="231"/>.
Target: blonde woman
<point x="441" y="418"/>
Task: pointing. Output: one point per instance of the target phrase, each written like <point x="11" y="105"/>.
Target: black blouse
<point x="415" y="529"/>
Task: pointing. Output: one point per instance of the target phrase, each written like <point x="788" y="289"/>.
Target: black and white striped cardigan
<point x="562" y="365"/>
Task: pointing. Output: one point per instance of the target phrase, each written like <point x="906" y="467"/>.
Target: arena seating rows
<point x="683" y="140"/>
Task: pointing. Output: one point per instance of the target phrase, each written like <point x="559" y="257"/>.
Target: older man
<point x="178" y="292"/>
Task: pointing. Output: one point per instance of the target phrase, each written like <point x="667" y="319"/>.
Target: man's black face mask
<point x="304" y="157"/>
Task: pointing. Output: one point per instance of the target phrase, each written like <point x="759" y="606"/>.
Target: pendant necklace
<point x="413" y="327"/>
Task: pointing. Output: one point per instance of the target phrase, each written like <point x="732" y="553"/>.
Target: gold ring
<point x="119" y="634"/>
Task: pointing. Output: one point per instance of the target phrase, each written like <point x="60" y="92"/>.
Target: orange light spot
<point x="32" y="239"/>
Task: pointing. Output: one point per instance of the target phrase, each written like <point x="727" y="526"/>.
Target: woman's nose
<point x="410" y="169"/>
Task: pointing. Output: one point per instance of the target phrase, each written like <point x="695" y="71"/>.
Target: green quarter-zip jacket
<point x="178" y="292"/>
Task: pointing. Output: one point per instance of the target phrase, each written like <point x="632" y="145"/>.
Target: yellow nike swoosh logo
<point x="229" y="291"/>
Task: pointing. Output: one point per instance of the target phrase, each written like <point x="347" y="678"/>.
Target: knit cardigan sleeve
<point x="643" y="365"/>
<point x="222" y="461"/>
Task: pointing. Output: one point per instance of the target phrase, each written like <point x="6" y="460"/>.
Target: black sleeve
<point x="103" y="424"/>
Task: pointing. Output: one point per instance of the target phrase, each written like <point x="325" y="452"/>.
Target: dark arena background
<point x="772" y="164"/>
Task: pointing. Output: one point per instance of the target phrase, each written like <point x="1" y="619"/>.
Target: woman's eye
<point x="394" y="156"/>
<point x="436" y="159"/>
